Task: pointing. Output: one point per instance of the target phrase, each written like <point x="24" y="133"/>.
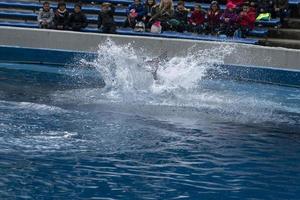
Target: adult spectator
<point x="106" y="18"/>
<point x="180" y="19"/>
<point x="148" y="9"/>
<point x="163" y="13"/>
<point x="61" y="17"/>
<point x="213" y="18"/>
<point x="45" y="16"/>
<point x="135" y="13"/>
<point x="280" y="10"/>
<point x="77" y="20"/>
<point x="197" y="20"/>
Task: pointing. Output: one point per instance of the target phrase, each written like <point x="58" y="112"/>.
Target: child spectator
<point x="213" y="18"/>
<point x="197" y="19"/>
<point x="61" y="17"/>
<point x="77" y="20"/>
<point x="229" y="20"/>
<point x="246" y="20"/>
<point x="45" y="16"/>
<point x="149" y="5"/>
<point x="180" y="19"/>
<point x="106" y="18"/>
<point x="280" y="10"/>
<point x="163" y="13"/>
<point x="135" y="13"/>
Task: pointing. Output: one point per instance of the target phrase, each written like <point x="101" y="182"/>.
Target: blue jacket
<point x="138" y="8"/>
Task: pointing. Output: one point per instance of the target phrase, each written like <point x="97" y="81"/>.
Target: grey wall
<point x="242" y="53"/>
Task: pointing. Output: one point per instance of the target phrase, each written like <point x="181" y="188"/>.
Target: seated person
<point x="135" y="13"/>
<point x="180" y="18"/>
<point x="106" y="18"/>
<point x="197" y="19"/>
<point x="247" y="19"/>
<point x="280" y="10"/>
<point x="148" y="9"/>
<point x="163" y="13"/>
<point x="61" y="17"/>
<point x="229" y="20"/>
<point x="45" y="16"/>
<point x="213" y="18"/>
<point x="77" y="20"/>
<point x="265" y="6"/>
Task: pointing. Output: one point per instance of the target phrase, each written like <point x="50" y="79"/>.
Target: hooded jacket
<point x="139" y="9"/>
<point x="233" y="17"/>
<point x="248" y="20"/>
<point x="106" y="18"/>
<point x="61" y="18"/>
<point x="78" y="19"/>
<point x="45" y="15"/>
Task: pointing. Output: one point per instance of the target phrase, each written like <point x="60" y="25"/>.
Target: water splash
<point x="182" y="82"/>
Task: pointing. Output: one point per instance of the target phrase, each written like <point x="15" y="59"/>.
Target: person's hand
<point x="193" y="23"/>
<point x="144" y="18"/>
<point x="277" y="9"/>
<point x="226" y="20"/>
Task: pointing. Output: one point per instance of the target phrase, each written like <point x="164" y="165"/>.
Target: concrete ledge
<point x="242" y="54"/>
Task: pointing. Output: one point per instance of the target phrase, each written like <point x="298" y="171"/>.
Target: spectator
<point x="180" y="19"/>
<point x="61" y="17"/>
<point x="229" y="20"/>
<point x="106" y="18"/>
<point x="280" y="10"/>
<point x="163" y="13"/>
<point x="246" y="20"/>
<point x="77" y="20"/>
<point x="265" y="6"/>
<point x="197" y="19"/>
<point x="213" y="18"/>
<point x="135" y="13"/>
<point x="45" y="16"/>
<point x="149" y="5"/>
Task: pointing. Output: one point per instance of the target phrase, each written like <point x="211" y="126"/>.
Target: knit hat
<point x="230" y="5"/>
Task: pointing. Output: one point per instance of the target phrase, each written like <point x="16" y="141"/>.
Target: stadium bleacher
<point x="24" y="14"/>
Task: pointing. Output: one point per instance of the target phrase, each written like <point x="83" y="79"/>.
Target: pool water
<point x="181" y="137"/>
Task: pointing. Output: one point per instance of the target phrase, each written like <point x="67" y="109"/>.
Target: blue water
<point x="221" y="140"/>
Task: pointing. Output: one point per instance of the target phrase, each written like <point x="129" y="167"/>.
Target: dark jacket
<point x="78" y="21"/>
<point x="106" y="18"/>
<point x="161" y="14"/>
<point x="181" y="16"/>
<point x="213" y="18"/>
<point x="61" y="18"/>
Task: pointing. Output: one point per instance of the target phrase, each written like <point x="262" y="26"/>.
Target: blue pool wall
<point x="57" y="59"/>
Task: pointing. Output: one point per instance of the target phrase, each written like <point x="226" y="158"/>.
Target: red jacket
<point x="213" y="18"/>
<point x="197" y="17"/>
<point x="248" y="20"/>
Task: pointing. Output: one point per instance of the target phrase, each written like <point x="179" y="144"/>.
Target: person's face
<point x="214" y="7"/>
<point x="166" y="2"/>
<point x="136" y="2"/>
<point x="197" y="9"/>
<point x="105" y="8"/>
<point x="62" y="7"/>
<point x="245" y="8"/>
<point x="180" y="7"/>
<point x="46" y="7"/>
<point x="230" y="9"/>
<point x="77" y="9"/>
